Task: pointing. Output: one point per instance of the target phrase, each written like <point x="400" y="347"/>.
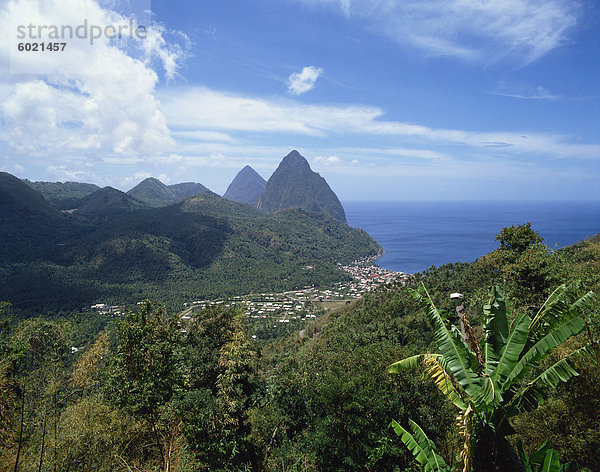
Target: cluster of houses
<point x="293" y="306"/>
<point x="286" y="306"/>
<point x="368" y="276"/>
<point x="303" y="304"/>
<point x="105" y="309"/>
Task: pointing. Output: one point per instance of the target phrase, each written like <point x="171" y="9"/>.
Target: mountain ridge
<point x="153" y="192"/>
<point x="187" y="189"/>
<point x="62" y="195"/>
<point x="107" y="203"/>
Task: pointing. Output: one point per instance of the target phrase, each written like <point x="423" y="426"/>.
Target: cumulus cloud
<point x="302" y="82"/>
<point x="97" y="97"/>
<point x="469" y="30"/>
<point x="76" y="173"/>
<point x="7" y="165"/>
<point x="327" y="160"/>
<point x="127" y="183"/>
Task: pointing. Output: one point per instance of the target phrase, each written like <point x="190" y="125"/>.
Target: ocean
<point x="417" y="235"/>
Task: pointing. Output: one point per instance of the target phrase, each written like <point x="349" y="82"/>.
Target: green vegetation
<point x="154" y="193"/>
<point x="154" y="392"/>
<point x="63" y="195"/>
<point x="114" y="251"/>
<point x="486" y="380"/>
<point x="187" y="189"/>
<point x="106" y="204"/>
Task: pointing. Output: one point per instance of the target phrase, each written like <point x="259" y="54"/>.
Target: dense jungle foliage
<point x="152" y="392"/>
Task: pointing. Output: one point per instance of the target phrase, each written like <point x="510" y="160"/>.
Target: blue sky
<point x="388" y="100"/>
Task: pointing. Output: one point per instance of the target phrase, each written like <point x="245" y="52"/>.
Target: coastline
<point x="418" y="235"/>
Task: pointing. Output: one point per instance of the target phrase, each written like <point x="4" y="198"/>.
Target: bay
<point x="417" y="235"/>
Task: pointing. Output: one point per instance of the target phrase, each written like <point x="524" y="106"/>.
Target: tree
<point x="223" y="386"/>
<point x="146" y="369"/>
<point x="518" y="238"/>
<point x="38" y="352"/>
<point x="545" y="459"/>
<point x="86" y="367"/>
<point x="7" y="384"/>
<point x="422" y="447"/>
<point x="491" y="381"/>
<point x="522" y="261"/>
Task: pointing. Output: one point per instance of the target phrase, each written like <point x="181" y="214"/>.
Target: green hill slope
<point x="330" y="387"/>
<point x="153" y="192"/>
<point x="63" y="195"/>
<point x="107" y="203"/>
<point x="30" y="228"/>
<point x="187" y="189"/>
<point x="112" y="250"/>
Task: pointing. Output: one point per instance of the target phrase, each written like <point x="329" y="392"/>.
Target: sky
<point x="387" y="99"/>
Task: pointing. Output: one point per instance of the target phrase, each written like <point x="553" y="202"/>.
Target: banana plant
<point x="422" y="448"/>
<point x="495" y="378"/>
<point x="545" y="459"/>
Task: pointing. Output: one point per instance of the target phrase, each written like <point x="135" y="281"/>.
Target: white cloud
<point x="75" y="171"/>
<point x="212" y="110"/>
<point x="524" y="91"/>
<point x="202" y="135"/>
<point x="426" y="154"/>
<point x="170" y="55"/>
<point x="99" y="98"/>
<point x="471" y="30"/>
<point x="127" y="183"/>
<point x="302" y="82"/>
<point x="131" y="181"/>
<point x="7" y="165"/>
<point x="171" y="159"/>
<point x="327" y="161"/>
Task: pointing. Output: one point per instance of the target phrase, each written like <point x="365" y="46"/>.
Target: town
<point x="272" y="313"/>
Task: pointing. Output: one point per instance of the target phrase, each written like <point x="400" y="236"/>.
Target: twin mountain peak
<point x="292" y="185"/>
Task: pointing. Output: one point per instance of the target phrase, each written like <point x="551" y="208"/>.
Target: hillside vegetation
<point x="63" y="195"/>
<point x="115" y="249"/>
<point x="151" y="393"/>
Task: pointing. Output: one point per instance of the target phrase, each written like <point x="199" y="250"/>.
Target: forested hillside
<point x="63" y="195"/>
<point x="114" y="249"/>
<point x="153" y="392"/>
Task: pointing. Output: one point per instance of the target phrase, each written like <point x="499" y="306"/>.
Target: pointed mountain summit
<point x="295" y="185"/>
<point x="187" y="189"/>
<point x="246" y="187"/>
<point x="153" y="192"/>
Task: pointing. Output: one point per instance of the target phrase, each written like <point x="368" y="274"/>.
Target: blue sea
<point x="417" y="235"/>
